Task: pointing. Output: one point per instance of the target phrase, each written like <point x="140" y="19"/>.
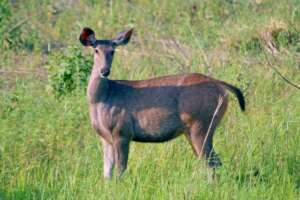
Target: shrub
<point x="285" y="38"/>
<point x="5" y="14"/>
<point x="16" y="31"/>
<point x="68" y="71"/>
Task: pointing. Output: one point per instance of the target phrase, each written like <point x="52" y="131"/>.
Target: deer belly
<point x="156" y="125"/>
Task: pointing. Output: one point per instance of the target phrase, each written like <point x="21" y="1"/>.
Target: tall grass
<point x="49" y="151"/>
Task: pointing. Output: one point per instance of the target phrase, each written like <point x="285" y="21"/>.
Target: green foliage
<point x="17" y="30"/>
<point x="68" y="71"/>
<point x="285" y="38"/>
<point x="252" y="46"/>
<point x="5" y="15"/>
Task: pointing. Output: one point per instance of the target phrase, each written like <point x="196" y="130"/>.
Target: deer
<point x="153" y="110"/>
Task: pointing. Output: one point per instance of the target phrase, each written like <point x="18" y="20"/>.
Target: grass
<point x="49" y="151"/>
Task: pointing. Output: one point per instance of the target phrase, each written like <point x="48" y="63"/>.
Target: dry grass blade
<point x="220" y="102"/>
<point x="278" y="73"/>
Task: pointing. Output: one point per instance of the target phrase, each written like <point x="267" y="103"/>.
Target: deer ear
<point x="87" y="37"/>
<point x="123" y="37"/>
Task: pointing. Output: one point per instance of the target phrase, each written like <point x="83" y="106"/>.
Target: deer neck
<point x="97" y="90"/>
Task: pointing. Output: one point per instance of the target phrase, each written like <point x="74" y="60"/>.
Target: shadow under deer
<point x="153" y="110"/>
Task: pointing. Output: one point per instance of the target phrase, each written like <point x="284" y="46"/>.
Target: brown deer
<point x="153" y="110"/>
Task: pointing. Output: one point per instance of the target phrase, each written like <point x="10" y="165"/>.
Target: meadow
<point x="48" y="149"/>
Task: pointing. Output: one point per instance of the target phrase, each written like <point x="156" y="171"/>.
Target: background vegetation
<point x="47" y="147"/>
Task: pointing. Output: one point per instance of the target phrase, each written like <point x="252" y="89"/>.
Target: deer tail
<point x="238" y="93"/>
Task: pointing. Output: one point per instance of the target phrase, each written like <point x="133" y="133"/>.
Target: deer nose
<point x="105" y="72"/>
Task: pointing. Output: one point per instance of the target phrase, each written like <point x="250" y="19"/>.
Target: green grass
<point x="49" y="151"/>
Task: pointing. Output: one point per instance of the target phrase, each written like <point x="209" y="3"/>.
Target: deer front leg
<point x="108" y="159"/>
<point x="121" y="150"/>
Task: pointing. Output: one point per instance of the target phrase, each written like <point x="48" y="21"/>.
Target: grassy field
<point x="48" y="149"/>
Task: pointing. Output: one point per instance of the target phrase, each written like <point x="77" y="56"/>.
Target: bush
<point x="285" y="38"/>
<point x="16" y="31"/>
<point x="5" y="15"/>
<point x="68" y="71"/>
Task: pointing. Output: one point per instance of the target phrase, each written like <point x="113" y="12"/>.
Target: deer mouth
<point x="105" y="74"/>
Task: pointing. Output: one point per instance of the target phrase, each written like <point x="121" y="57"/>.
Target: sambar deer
<point x="153" y="110"/>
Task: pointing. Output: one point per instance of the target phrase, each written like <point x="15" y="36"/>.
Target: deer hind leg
<point x="202" y="144"/>
<point x="121" y="151"/>
<point x="108" y="159"/>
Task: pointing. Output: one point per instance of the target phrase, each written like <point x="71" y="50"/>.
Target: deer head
<point x="103" y="49"/>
